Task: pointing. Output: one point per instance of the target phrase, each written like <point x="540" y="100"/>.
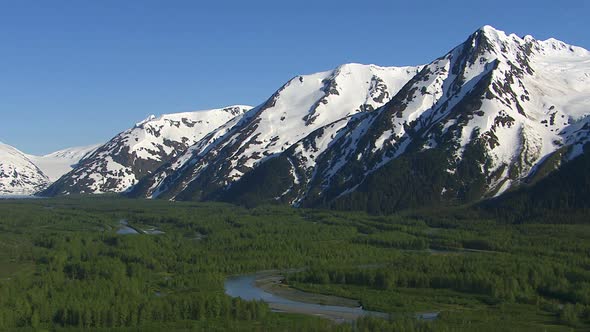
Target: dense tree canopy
<point x="63" y="265"/>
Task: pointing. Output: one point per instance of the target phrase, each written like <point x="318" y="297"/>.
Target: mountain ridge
<point x="474" y="123"/>
<point x="443" y="103"/>
<point x="302" y="105"/>
<point x="137" y="151"/>
<point x="24" y="174"/>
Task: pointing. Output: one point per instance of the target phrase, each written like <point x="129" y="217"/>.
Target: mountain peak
<point x="488" y="29"/>
<point x="146" y="120"/>
<point x="492" y="34"/>
<point x="499" y="37"/>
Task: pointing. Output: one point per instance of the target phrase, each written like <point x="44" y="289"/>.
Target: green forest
<point x="63" y="267"/>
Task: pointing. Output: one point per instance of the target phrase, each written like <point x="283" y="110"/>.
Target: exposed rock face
<point x="494" y="112"/>
<point x="296" y="110"/>
<point x="18" y="175"/>
<point x="23" y="174"/>
<point x="136" y="152"/>
<point x="484" y="117"/>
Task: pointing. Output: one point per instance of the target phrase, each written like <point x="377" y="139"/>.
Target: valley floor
<point x="63" y="266"/>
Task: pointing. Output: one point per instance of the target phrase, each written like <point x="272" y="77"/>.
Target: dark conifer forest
<point x="64" y="267"/>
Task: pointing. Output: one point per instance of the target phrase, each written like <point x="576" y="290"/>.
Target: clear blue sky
<point x="77" y="72"/>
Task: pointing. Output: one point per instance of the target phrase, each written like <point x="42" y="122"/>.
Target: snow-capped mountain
<point x="136" y="152"/>
<point x="58" y="163"/>
<point x="492" y="113"/>
<point x="18" y="175"/>
<point x="491" y="110"/>
<point x="25" y="174"/>
<point x="298" y="108"/>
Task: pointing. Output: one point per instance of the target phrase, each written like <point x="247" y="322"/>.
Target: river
<point x="248" y="287"/>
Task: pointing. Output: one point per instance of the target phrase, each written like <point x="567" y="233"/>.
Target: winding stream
<point x="246" y="288"/>
<point x="124" y="228"/>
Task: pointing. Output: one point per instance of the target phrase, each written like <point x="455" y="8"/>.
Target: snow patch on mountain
<point x="516" y="95"/>
<point x="302" y="105"/>
<point x="18" y="174"/>
<point x="58" y="163"/>
<point x="136" y="152"/>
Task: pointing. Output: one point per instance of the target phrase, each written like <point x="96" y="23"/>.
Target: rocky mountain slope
<point x="24" y="174"/>
<point x="471" y="124"/>
<point x="136" y="152"/>
<point x="494" y="112"/>
<point x="559" y="197"/>
<point x="18" y="175"/>
<point x="300" y="107"/>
